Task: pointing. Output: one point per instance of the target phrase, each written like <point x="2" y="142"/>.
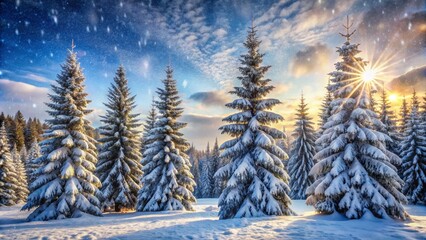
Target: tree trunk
<point x="117" y="208"/>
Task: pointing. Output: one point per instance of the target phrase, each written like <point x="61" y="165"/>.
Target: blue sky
<point x="202" y="40"/>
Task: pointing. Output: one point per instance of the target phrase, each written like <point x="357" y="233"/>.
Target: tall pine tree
<point x="413" y="154"/>
<point x="302" y="153"/>
<point x="257" y="181"/>
<point x="118" y="161"/>
<point x="167" y="183"/>
<point x="65" y="184"/>
<point x="355" y="172"/>
<point x="31" y="164"/>
<point x="8" y="178"/>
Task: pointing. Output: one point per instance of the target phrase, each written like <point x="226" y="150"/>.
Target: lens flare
<point x="368" y="75"/>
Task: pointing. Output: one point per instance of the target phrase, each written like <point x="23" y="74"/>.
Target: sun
<point x="393" y="97"/>
<point x="368" y="75"/>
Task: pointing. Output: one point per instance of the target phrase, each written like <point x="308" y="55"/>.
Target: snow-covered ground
<point x="203" y="223"/>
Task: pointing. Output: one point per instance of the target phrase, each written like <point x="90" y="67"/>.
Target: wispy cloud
<point x="22" y="96"/>
<point x="212" y="98"/>
<point x="37" y="78"/>
<point x="311" y="59"/>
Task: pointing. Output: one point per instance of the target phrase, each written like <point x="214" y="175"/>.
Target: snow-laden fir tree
<point x="65" y="184"/>
<point x="31" y="164"/>
<point x="167" y="183"/>
<point x="387" y="117"/>
<point x="8" y="178"/>
<point x="21" y="191"/>
<point x="257" y="183"/>
<point x="355" y="173"/>
<point x="413" y="154"/>
<point x="325" y="113"/>
<point x="423" y="110"/>
<point x="207" y="174"/>
<point x="148" y="125"/>
<point x="404" y="115"/>
<point x="302" y="153"/>
<point x="118" y="165"/>
<point x="218" y="184"/>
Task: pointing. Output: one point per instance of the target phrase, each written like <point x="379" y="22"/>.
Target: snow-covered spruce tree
<point x="355" y="172"/>
<point x="413" y="154"/>
<point x="218" y="183"/>
<point x="207" y="175"/>
<point x="325" y="113"/>
<point x="118" y="165"/>
<point x="8" y="178"/>
<point x="65" y="184"/>
<point x="21" y="191"/>
<point x="387" y="117"/>
<point x="257" y="181"/>
<point x="148" y="125"/>
<point x="31" y="164"/>
<point x="167" y="183"/>
<point x="302" y="153"/>
<point x="404" y="115"/>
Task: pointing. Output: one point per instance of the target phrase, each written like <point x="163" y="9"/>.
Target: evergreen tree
<point x="387" y="117"/>
<point x="21" y="192"/>
<point x="413" y="154"/>
<point x="302" y="153"/>
<point x="167" y="183"/>
<point x="257" y="181"/>
<point x="404" y="115"/>
<point x="193" y="156"/>
<point x="325" y="113"/>
<point x="218" y="185"/>
<point x="210" y="167"/>
<point x="148" y="126"/>
<point x="31" y="164"/>
<point x="355" y="172"/>
<point x="65" y="184"/>
<point x="423" y="111"/>
<point x="18" y="128"/>
<point x="118" y="165"/>
<point x="8" y="178"/>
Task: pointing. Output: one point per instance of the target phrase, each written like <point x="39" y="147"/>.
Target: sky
<point x="202" y="41"/>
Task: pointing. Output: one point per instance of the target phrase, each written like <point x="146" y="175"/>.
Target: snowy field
<point x="204" y="224"/>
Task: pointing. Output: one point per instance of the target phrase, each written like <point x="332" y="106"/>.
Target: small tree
<point x="207" y="174"/>
<point x="404" y="116"/>
<point x="325" y="113"/>
<point x="21" y="192"/>
<point x="148" y="126"/>
<point x="8" y="177"/>
<point x="31" y="164"/>
<point x="167" y="183"/>
<point x="118" y="166"/>
<point x="388" y="119"/>
<point x="302" y="153"/>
